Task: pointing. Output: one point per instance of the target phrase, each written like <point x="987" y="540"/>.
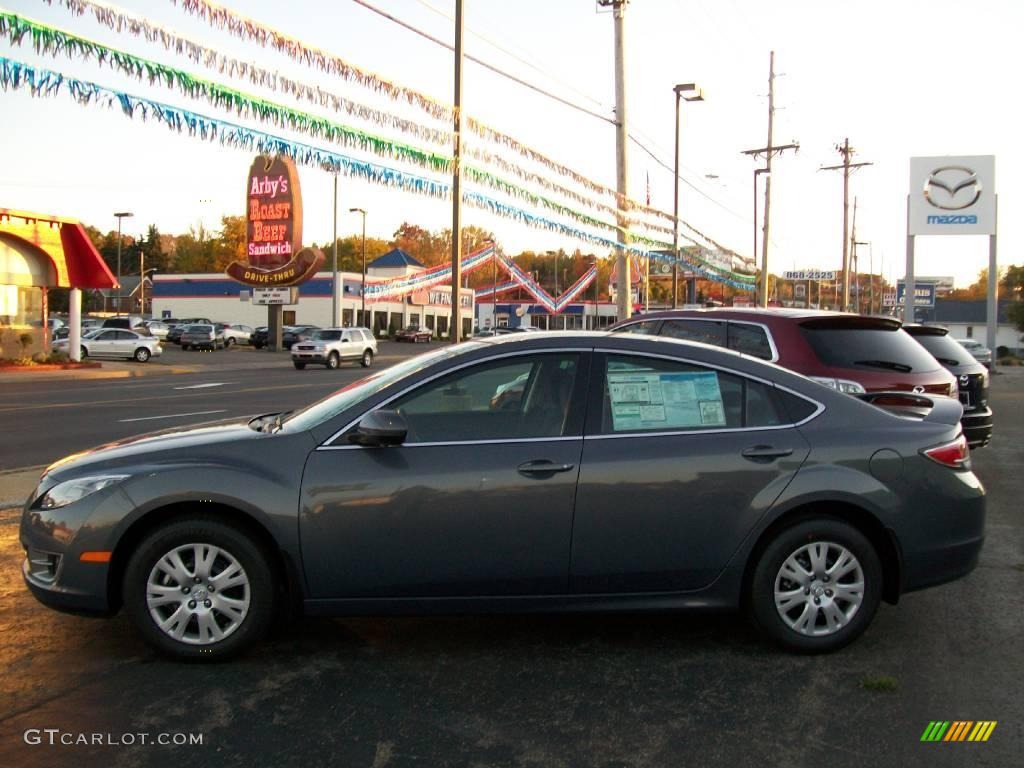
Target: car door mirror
<point x="380" y="428"/>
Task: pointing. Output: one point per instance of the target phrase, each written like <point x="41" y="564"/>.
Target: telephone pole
<point x="624" y="291"/>
<point x="847" y="168"/>
<point x="768" y="152"/>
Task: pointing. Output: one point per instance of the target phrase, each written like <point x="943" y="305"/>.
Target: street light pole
<point x="120" y="215"/>
<point x="362" y="287"/>
<point x="697" y="95"/>
<point x="335" y="322"/>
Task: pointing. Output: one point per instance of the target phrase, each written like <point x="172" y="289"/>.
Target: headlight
<point x="840" y="385"/>
<point x="70" y="491"/>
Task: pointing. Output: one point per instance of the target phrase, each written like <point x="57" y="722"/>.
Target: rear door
<point x="679" y="463"/>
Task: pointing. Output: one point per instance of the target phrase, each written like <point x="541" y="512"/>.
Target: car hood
<point x="174" y="443"/>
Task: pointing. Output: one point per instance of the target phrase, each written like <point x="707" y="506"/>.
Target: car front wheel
<point x="333" y="361"/>
<point x="367" y="359"/>
<point x="816" y="586"/>
<point x="199" y="589"/>
<point x="142" y="354"/>
<point x="299" y="366"/>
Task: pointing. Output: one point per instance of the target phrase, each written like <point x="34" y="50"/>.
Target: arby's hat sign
<point x="273" y="212"/>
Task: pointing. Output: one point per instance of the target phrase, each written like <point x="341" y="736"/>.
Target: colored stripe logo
<point x="958" y="730"/>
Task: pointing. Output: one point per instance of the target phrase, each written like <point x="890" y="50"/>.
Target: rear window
<point x="199" y="329"/>
<point x="886" y="349"/>
<point x="645" y="327"/>
<point x="750" y="340"/>
<point x="945" y="349"/>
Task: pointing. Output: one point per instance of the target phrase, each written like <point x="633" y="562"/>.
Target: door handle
<point x="543" y="467"/>
<point x="765" y="453"/>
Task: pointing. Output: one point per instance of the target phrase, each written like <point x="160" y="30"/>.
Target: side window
<point x="520" y="397"/>
<point x="644" y="327"/>
<point x="107" y="336"/>
<point x="705" y="331"/>
<point x="750" y="340"/>
<point x="651" y="395"/>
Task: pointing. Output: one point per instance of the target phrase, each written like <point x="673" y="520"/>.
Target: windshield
<point x="344" y="398"/>
<point x="879" y="348"/>
<point x="945" y="349"/>
<point x="326" y="335"/>
<point x="93" y="333"/>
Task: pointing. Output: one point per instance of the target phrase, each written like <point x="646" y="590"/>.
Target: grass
<point x="880" y="684"/>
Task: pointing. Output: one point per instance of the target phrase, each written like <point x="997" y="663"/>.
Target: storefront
<point x="39" y="252"/>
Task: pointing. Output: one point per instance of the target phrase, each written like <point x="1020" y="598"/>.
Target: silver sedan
<point x="115" y="342"/>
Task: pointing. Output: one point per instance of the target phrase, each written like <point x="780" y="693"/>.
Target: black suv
<point x="972" y="379"/>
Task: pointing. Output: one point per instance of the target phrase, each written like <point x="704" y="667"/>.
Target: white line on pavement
<point x="204" y="386"/>
<point x="174" y="415"/>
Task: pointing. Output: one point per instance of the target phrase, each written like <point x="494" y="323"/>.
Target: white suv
<point x="329" y="346"/>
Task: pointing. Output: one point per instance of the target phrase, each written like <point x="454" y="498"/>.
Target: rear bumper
<point x="977" y="426"/>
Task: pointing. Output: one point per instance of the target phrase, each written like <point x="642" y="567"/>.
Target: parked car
<point x="330" y="346"/>
<point x="128" y="323"/>
<point x="202" y="336"/>
<point x="977" y="350"/>
<point x="634" y="473"/>
<point x="158" y="328"/>
<point x="850" y="353"/>
<point x="259" y="337"/>
<point x="972" y="379"/>
<point x="414" y="334"/>
<point x="115" y="342"/>
<point x="294" y="333"/>
<point x="235" y="333"/>
<point x="174" y="334"/>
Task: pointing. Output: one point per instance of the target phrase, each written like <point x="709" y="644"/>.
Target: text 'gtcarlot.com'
<point x="55" y="737"/>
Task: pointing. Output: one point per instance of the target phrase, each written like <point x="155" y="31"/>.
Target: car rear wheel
<point x="299" y="366"/>
<point x="816" y="586"/>
<point x="333" y="361"/>
<point x="142" y="354"/>
<point x="229" y="341"/>
<point x="199" y="589"/>
<point x="367" y="359"/>
<point x="184" y="347"/>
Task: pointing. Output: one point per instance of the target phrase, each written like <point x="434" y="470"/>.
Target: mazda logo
<point x="965" y="380"/>
<point x="952" y="187"/>
<point x="918" y="390"/>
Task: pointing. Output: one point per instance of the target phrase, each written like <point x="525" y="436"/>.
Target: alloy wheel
<point x="819" y="588"/>
<point x="198" y="594"/>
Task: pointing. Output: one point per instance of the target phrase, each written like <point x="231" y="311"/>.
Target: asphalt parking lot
<point x="623" y="690"/>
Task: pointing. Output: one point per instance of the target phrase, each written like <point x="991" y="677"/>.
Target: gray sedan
<point x="531" y="472"/>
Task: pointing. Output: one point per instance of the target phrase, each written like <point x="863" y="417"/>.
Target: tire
<point x="299" y="366"/>
<point x="333" y="361"/>
<point x="185" y="347"/>
<point x="804" y="612"/>
<point x="209" y="629"/>
<point x="142" y="355"/>
<point x="367" y="359"/>
<point x="229" y="342"/>
<point x="83" y="352"/>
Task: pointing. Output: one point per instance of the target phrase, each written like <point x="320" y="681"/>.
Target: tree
<point x="1015" y="314"/>
<point x="1013" y="282"/>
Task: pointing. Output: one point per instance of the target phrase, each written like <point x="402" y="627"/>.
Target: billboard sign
<point x="278" y="295"/>
<point x="952" y="195"/>
<point x="274" y="255"/>
<point x="924" y="293"/>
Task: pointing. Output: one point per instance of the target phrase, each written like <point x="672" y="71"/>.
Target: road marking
<point x="174" y="415"/>
<point x="204" y="386"/>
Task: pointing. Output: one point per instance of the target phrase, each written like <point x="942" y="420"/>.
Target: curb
<point x="84" y="373"/>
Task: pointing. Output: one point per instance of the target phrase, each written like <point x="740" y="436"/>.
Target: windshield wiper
<point x="947" y="361"/>
<point x="885" y="364"/>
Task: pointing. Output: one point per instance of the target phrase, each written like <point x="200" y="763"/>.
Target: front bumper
<point x="54" y="541"/>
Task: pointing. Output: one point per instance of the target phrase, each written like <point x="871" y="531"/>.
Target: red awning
<point x="77" y="262"/>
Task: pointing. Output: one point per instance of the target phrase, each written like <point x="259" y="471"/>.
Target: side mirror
<point x="380" y="428"/>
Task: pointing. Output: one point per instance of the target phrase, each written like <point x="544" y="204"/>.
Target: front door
<point x="477" y="501"/>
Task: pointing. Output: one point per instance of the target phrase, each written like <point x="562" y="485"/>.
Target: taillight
<point x="954" y="455"/>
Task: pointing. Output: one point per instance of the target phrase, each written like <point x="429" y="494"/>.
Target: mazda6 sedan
<point x="529" y="472"/>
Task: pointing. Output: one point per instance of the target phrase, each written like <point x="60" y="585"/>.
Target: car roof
<point x="762" y="315"/>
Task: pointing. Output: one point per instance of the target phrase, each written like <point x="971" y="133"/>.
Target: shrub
<point x="1002" y="351"/>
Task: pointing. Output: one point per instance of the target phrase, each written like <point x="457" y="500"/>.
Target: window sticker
<point x="654" y="400"/>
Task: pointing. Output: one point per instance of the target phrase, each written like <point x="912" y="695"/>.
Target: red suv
<point x="851" y="353"/>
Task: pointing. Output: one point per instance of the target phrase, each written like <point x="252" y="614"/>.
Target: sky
<point x="899" y="79"/>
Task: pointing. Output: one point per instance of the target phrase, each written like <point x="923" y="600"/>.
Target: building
<point x="218" y="297"/>
<point x="580" y="315"/>
<point x="969" y="320"/>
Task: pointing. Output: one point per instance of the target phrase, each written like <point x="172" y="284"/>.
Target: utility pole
<point x="624" y="297"/>
<point x="454" y="331"/>
<point x="768" y="152"/>
<point x="847" y="167"/>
